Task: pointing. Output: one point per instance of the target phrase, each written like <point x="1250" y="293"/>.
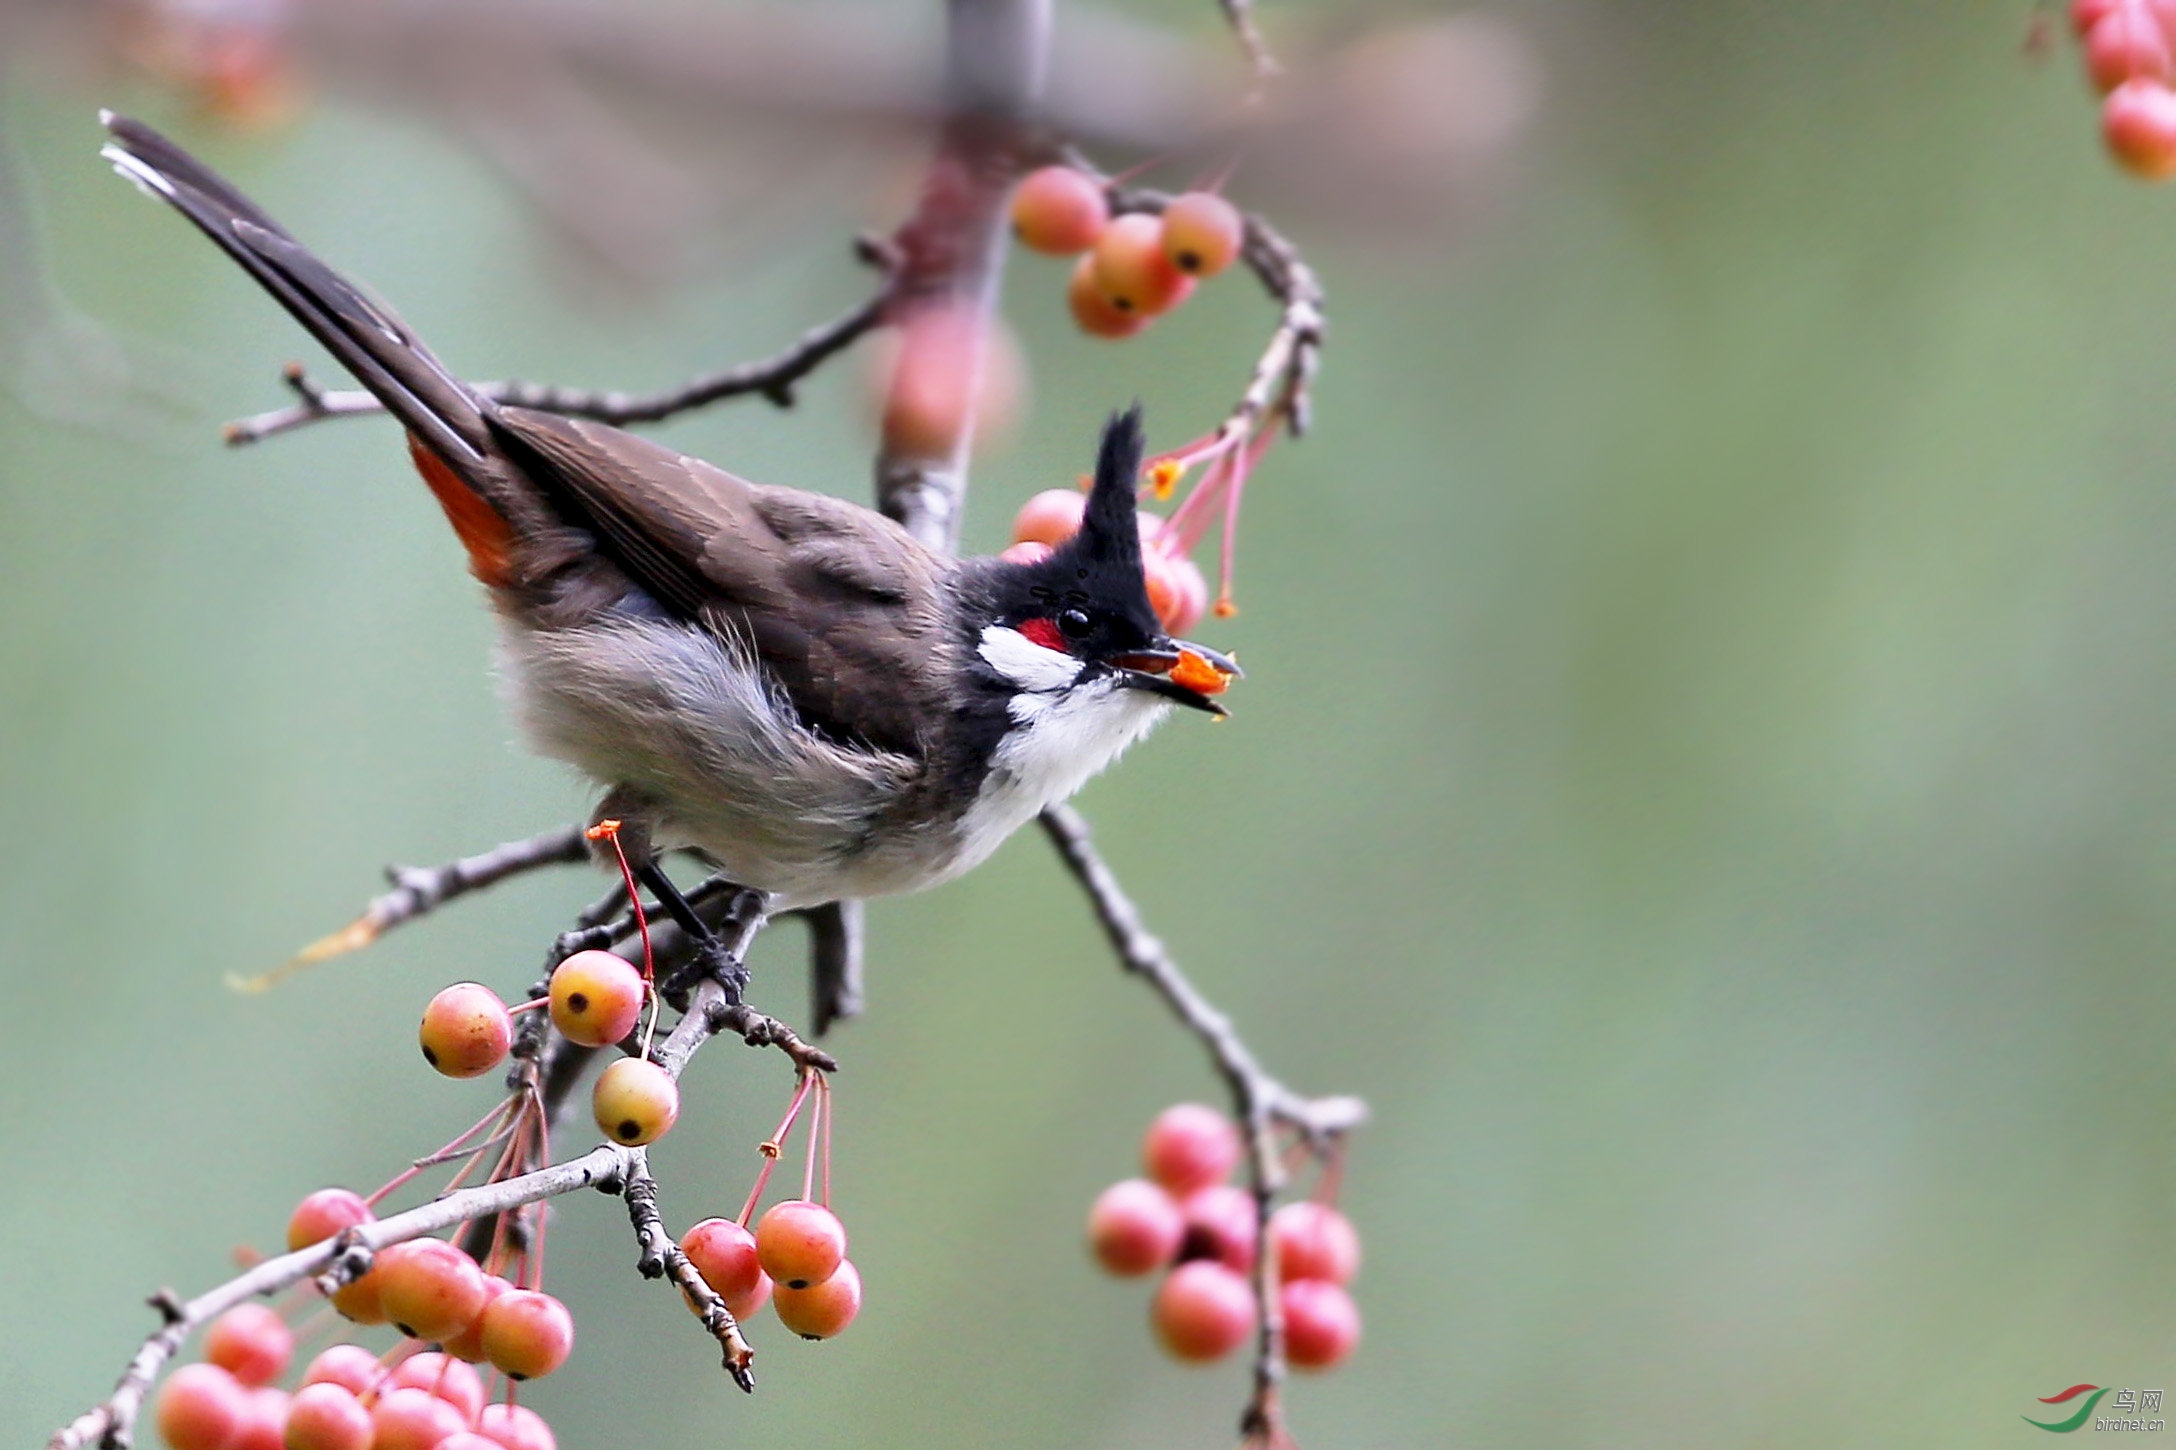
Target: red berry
<point x="250" y="1342"/>
<point x="468" y="1440"/>
<point x="326" y="1416"/>
<point x="406" y="1418"/>
<point x="466" y="1030"/>
<point x="2125" y="44"/>
<point x="468" y="1345"/>
<point x="1134" y="1228"/>
<point x="1190" y="1146"/>
<point x="635" y="1101"/>
<point x="596" y="998"/>
<point x="350" y="1366"/>
<point x="1131" y="270"/>
<point x="1202" y="1311"/>
<point x="358" y="1299"/>
<point x="800" y="1244"/>
<point x="1202" y="233"/>
<point x="821" y="1310"/>
<point x="452" y="1380"/>
<point x="527" y="1333"/>
<point x="1050" y="517"/>
<point x="429" y="1288"/>
<point x="1314" y="1241"/>
<point x="200" y="1407"/>
<point x="724" y="1253"/>
<point x="949" y="369"/>
<point x="1176" y="590"/>
<point x="1027" y="553"/>
<point x="264" y="1420"/>
<point x="1092" y="311"/>
<point x="1059" y="210"/>
<point x="1221" y="1225"/>
<point x="1321" y="1323"/>
<point x="2085" y="14"/>
<point x="516" y="1427"/>
<point x="2138" y="123"/>
<point x="323" y="1214"/>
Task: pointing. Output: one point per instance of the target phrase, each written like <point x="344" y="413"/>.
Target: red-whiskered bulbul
<point x="787" y="683"/>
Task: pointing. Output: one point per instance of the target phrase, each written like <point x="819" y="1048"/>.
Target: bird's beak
<point x="1189" y="674"/>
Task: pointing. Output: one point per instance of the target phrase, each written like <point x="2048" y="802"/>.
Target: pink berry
<point x="1134" y="1228"/>
<point x="1321" y="1323"/>
<point x="2085" y="14"/>
<point x="1221" y="1225"/>
<point x="1132" y="271"/>
<point x="1202" y="1311"/>
<point x="429" y="1288"/>
<point x="527" y="1333"/>
<point x="1314" y="1241"/>
<point x="1092" y="311"/>
<point x="2125" y="44"/>
<point x="250" y="1342"/>
<point x="1176" y="590"/>
<point x="1202" y="233"/>
<point x="1050" y="517"/>
<point x="323" y="1214"/>
<point x="468" y="1345"/>
<point x="2138" y="124"/>
<point x="406" y="1418"/>
<point x="1190" y="1146"/>
<point x="200" y="1407"/>
<point x="452" y="1380"/>
<point x="326" y="1416"/>
<point x="516" y="1427"/>
<point x="466" y="1030"/>
<point x="596" y="998"/>
<point x="724" y="1253"/>
<point x="1059" y="210"/>
<point x="350" y="1366"/>
<point x="800" y="1244"/>
<point x="468" y="1440"/>
<point x="1026" y="553"/>
<point x="264" y="1420"/>
<point x="821" y="1310"/>
<point x="635" y="1101"/>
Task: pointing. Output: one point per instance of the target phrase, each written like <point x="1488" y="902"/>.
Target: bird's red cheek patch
<point x="1045" y="633"/>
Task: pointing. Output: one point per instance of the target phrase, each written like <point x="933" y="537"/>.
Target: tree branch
<point x="773" y="378"/>
<point x="662" y="1259"/>
<point x="1262" y="1103"/>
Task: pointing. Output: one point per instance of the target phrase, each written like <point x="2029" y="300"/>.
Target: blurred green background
<point x="1703" y="774"/>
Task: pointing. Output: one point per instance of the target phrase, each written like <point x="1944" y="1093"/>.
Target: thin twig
<point x="773" y="378"/>
<point x="1262" y="1102"/>
<point x="662" y="1259"/>
<point x="420" y="890"/>
<point x="1239" y="15"/>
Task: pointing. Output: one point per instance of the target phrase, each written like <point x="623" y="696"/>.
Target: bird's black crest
<point x="1099" y="569"/>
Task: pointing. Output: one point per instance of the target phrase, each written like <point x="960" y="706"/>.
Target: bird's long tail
<point x="446" y="420"/>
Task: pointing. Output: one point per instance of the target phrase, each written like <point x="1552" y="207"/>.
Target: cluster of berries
<point x="596" y="1000"/>
<point x="1186" y="1217"/>
<point x="1176" y="589"/>
<point x="1132" y="267"/>
<point x="796" y="1257"/>
<point x="351" y="1399"/>
<point x="2130" y="55"/>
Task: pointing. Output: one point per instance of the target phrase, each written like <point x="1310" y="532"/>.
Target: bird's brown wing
<point x="841" y="605"/>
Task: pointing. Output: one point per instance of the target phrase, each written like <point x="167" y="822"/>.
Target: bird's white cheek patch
<point x="1025" y="663"/>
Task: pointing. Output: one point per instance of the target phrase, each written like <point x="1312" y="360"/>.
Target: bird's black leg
<point x="713" y="958"/>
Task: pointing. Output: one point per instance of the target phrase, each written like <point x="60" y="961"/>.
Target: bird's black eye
<point x="1074" y="624"/>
